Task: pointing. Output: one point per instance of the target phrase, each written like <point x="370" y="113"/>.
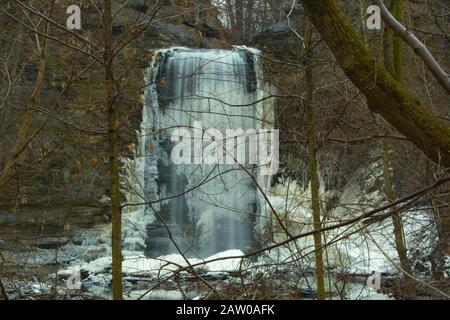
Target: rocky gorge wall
<point x="61" y="180"/>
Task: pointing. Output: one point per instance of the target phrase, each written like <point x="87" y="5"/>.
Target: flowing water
<point x="202" y="209"/>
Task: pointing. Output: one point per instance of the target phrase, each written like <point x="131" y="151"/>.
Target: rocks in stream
<point x="48" y="243"/>
<point x="95" y="252"/>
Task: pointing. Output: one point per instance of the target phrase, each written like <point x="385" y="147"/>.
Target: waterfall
<point x="201" y="208"/>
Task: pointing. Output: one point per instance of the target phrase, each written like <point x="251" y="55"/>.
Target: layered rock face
<point x="61" y="181"/>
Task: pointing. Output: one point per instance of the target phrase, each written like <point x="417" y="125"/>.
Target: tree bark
<point x="388" y="52"/>
<point x="410" y="288"/>
<point x="385" y="96"/>
<point x="441" y="214"/>
<point x="313" y="166"/>
<point x="249" y="20"/>
<point x="114" y="155"/>
<point x="397" y="7"/>
<point x="239" y="5"/>
<point x="393" y="55"/>
<point x="419" y="48"/>
<point x="231" y="16"/>
<point x="3" y="293"/>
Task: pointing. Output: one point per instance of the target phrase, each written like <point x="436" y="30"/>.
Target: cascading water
<point x="202" y="209"/>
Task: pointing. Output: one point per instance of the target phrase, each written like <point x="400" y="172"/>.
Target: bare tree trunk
<point x="410" y="287"/>
<point x="441" y="214"/>
<point x="240" y="20"/>
<point x="388" y="55"/>
<point x="114" y="156"/>
<point x="264" y="23"/>
<point x="419" y="48"/>
<point x="21" y="143"/>
<point x="231" y="15"/>
<point x="3" y="293"/>
<point x="393" y="59"/>
<point x="313" y="166"/>
<point x="362" y="26"/>
<point x="397" y="6"/>
<point x="198" y="10"/>
<point x="249" y="20"/>
<point x="385" y="96"/>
